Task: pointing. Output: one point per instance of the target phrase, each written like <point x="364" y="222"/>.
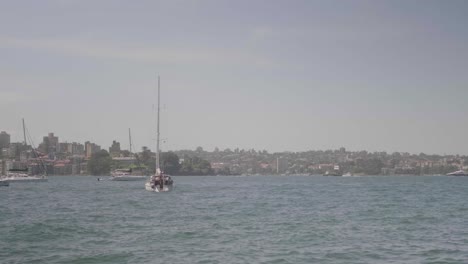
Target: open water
<point x="261" y="219"/>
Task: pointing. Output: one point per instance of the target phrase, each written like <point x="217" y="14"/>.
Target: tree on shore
<point x="195" y="166"/>
<point x="170" y="163"/>
<point x="100" y="163"/>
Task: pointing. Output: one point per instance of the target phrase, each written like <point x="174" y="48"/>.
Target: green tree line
<point x="100" y="163"/>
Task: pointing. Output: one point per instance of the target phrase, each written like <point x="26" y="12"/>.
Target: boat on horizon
<point x="16" y="177"/>
<point x="159" y="182"/>
<point x="21" y="175"/>
<point x="126" y="175"/>
<point x="335" y="172"/>
<point x="458" y="173"/>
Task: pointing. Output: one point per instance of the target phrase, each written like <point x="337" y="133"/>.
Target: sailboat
<point x="22" y="175"/>
<point x="159" y="182"/>
<point x="127" y="174"/>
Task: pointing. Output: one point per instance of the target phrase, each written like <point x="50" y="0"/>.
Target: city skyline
<point x="297" y="76"/>
<point x="59" y="158"/>
<point x="123" y="147"/>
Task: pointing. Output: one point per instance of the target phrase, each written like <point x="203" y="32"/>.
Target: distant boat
<point x="335" y="172"/>
<point x="125" y="175"/>
<point x="332" y="173"/>
<point x="17" y="173"/>
<point x="22" y="175"/>
<point x="458" y="173"/>
<point x="159" y="182"/>
<point x="348" y="174"/>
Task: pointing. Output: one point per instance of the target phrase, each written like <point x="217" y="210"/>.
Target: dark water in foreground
<point x="237" y="220"/>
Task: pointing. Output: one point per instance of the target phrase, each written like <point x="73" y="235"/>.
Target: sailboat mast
<point x="130" y="139"/>
<point x="157" y="127"/>
<point x="24" y="133"/>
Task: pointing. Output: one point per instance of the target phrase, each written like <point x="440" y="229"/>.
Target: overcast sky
<point x="275" y="75"/>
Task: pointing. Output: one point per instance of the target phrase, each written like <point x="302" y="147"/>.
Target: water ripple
<point x="237" y="220"/>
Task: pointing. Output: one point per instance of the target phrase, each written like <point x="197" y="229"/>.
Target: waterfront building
<point x="114" y="150"/>
<point x="65" y="147"/>
<point x="12" y="164"/>
<point x="76" y="164"/>
<point x="24" y="155"/>
<point x="5" y="152"/>
<point x="281" y="165"/>
<point x="84" y="168"/>
<point x="91" y="148"/>
<point x="63" y="167"/>
<point x="50" y="145"/>
<point x="15" y="150"/>
<point x="2" y="167"/>
<point x="4" y="140"/>
<point x="78" y="149"/>
<point x="38" y="166"/>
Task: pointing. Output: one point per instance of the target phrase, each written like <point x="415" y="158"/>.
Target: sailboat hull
<point x="25" y="179"/>
<point x="166" y="188"/>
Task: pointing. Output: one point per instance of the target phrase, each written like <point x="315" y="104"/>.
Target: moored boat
<point x="126" y="175"/>
<point x="458" y="173"/>
<point x="21" y="175"/>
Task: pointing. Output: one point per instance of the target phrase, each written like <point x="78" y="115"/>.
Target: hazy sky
<point x="275" y="75"/>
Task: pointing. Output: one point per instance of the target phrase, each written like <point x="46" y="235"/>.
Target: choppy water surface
<point x="259" y="219"/>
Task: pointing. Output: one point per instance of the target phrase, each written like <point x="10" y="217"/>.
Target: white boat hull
<point x="25" y="179"/>
<point x="166" y="188"/>
<point x="128" y="178"/>
<point x="458" y="173"/>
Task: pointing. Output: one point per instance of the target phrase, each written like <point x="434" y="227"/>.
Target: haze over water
<point x="257" y="219"/>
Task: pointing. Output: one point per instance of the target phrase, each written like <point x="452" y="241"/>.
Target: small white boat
<point x="458" y="173"/>
<point x="21" y="177"/>
<point x="121" y="172"/>
<point x="128" y="177"/>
